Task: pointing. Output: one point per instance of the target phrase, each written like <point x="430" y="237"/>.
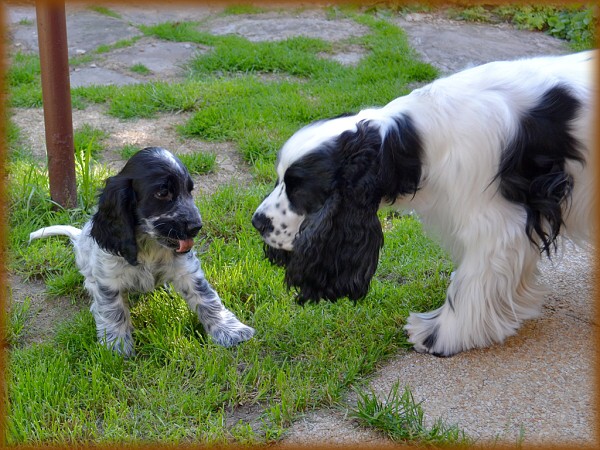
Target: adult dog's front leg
<point x="492" y="292"/>
<point x="113" y="322"/>
<point x="218" y="321"/>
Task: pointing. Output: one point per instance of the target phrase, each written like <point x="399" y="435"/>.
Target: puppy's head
<point x="152" y="194"/>
<point x="320" y="221"/>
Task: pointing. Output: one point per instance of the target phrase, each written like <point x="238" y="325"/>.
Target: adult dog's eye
<point x="163" y="194"/>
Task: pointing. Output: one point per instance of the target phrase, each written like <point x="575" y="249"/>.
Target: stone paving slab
<point x="453" y="46"/>
<point x="277" y="26"/>
<point x="160" y="57"/>
<point x="86" y="30"/>
<point x="90" y="76"/>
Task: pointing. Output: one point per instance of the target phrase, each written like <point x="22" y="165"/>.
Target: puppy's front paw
<point x="230" y="331"/>
<point x="229" y="337"/>
<point x="119" y="344"/>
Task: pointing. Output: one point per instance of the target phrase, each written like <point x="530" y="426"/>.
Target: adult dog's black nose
<point x="262" y="223"/>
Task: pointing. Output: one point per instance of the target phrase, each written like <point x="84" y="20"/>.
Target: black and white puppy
<point x="142" y="236"/>
<point x="496" y="161"/>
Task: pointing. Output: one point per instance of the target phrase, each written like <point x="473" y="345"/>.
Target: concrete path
<point x="538" y="386"/>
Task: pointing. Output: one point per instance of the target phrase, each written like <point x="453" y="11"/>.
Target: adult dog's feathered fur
<point x="494" y="159"/>
<point x="142" y="236"/>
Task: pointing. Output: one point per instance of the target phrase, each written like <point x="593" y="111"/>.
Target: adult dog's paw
<point x="423" y="332"/>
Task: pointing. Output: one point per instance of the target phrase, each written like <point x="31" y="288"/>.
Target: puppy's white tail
<point x="56" y="230"/>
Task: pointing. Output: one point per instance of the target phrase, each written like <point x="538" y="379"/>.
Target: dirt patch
<point x="45" y="313"/>
<point x="160" y="131"/>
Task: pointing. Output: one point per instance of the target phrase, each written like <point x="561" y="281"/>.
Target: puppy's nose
<point x="194" y="228"/>
<point x="262" y="223"/>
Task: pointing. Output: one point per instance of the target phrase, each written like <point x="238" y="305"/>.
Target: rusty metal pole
<point x="56" y="94"/>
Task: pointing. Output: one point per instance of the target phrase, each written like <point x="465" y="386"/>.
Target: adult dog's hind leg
<point x="113" y="322"/>
<point x="220" y="323"/>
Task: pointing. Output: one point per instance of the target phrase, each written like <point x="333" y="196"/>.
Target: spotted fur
<point x="495" y="160"/>
<point x="141" y="237"/>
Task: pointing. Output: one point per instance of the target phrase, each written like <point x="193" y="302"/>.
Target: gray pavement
<point x="538" y="386"/>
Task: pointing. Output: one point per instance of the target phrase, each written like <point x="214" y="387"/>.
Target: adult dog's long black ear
<point x="277" y="256"/>
<point x="113" y="225"/>
<point x="337" y="251"/>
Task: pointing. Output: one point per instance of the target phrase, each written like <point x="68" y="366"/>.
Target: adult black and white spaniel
<point x="496" y="160"/>
<point x="141" y="236"/>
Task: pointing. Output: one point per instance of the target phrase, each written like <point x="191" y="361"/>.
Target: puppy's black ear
<point x="113" y="225"/>
<point x="337" y="250"/>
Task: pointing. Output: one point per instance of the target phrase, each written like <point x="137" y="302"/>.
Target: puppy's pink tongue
<point x="185" y="245"/>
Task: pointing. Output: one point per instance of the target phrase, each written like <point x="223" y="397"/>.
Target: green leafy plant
<point x="243" y="9"/>
<point x="471" y="14"/>
<point x="577" y="27"/>
<point x="575" y="24"/>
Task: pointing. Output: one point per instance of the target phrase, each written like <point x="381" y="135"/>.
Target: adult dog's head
<point x="320" y="221"/>
<point x="150" y="195"/>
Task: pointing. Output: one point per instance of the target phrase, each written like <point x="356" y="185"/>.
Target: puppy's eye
<point x="163" y="194"/>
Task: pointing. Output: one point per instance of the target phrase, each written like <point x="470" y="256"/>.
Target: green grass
<point x="259" y="115"/>
<point x="179" y="377"/>
<point x="87" y="136"/>
<point x="17" y="317"/>
<point x="141" y="69"/>
<point x="129" y="150"/>
<point x="199" y="163"/>
<point x="402" y="420"/>
<point x="105" y="11"/>
<point x="15" y="142"/>
<point x="105" y="48"/>
<point x="24" y="82"/>
<point x="181" y="387"/>
<point x="81" y="60"/>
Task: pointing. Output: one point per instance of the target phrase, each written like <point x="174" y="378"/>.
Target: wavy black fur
<point x="113" y="225"/>
<point x="337" y="250"/>
<point x="130" y="197"/>
<point x="401" y="155"/>
<point x="532" y="169"/>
